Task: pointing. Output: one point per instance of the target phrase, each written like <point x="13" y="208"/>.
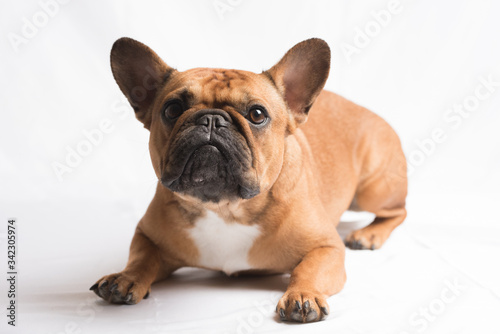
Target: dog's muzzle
<point x="210" y="159"/>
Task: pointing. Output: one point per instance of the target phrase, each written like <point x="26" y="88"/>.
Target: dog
<point x="246" y="185"/>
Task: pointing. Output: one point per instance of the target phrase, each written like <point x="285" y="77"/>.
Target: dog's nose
<point x="212" y="121"/>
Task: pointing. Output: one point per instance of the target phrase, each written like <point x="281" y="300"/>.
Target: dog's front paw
<point x="121" y="288"/>
<point x="302" y="307"/>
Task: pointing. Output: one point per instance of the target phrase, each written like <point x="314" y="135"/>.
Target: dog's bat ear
<point x="139" y="72"/>
<point x="301" y="74"/>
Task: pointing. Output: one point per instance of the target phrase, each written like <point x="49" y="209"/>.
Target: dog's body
<point x="243" y="189"/>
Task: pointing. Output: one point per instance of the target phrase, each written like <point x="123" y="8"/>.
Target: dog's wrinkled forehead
<point x="220" y="88"/>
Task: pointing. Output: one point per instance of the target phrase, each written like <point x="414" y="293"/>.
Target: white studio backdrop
<point x="75" y="168"/>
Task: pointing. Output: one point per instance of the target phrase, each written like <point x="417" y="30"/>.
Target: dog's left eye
<point x="174" y="110"/>
<point x="257" y="116"/>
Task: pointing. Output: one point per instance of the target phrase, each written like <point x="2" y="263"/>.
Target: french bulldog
<point x="246" y="185"/>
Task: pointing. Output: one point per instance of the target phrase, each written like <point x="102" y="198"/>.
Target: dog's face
<point x="211" y="136"/>
<point x="219" y="134"/>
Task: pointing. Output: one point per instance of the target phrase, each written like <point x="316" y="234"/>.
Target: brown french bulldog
<point x="245" y="185"/>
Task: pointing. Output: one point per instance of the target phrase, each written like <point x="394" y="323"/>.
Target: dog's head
<point x="219" y="134"/>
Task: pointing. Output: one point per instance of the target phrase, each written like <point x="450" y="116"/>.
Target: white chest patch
<point x="223" y="246"/>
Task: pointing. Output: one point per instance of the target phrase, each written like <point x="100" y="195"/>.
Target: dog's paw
<point x="302" y="307"/>
<point x="364" y="239"/>
<point x="121" y="288"/>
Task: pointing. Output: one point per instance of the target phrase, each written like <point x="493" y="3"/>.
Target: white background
<point x="427" y="58"/>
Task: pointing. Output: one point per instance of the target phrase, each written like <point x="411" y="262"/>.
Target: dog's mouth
<point x="209" y="170"/>
<point x="206" y="165"/>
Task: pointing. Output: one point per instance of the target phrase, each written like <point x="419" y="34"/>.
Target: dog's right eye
<point x="173" y="110"/>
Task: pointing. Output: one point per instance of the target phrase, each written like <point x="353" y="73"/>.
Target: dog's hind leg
<point x="374" y="235"/>
<point x="384" y="194"/>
